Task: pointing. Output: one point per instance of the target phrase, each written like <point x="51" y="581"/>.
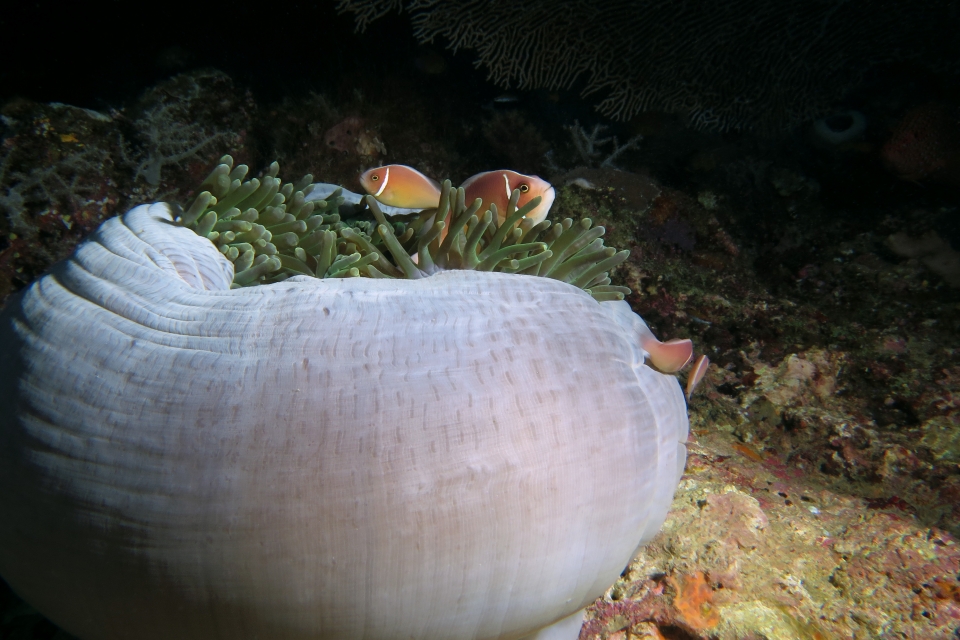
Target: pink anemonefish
<point x="398" y="185"/>
<point x="497" y="186"/>
<point x="673" y="355"/>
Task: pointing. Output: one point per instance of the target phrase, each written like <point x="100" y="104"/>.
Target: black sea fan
<point x="723" y="65"/>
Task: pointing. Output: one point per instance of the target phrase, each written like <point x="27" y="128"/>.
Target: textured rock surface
<point x="754" y="547"/>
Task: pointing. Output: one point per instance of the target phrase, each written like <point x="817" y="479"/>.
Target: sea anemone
<point x="426" y="452"/>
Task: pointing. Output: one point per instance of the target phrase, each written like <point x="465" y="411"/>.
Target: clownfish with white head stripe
<point x="398" y="185"/>
<point x="497" y="186"/>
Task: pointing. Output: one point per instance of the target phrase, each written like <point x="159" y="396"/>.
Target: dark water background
<point x="102" y="54"/>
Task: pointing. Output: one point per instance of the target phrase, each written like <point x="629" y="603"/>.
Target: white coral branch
<point x="588" y="143"/>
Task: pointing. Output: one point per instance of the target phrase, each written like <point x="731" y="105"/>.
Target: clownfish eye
<point x="374" y="177"/>
<point x="524" y="187"/>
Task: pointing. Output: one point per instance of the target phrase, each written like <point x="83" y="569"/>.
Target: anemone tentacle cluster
<point x="270" y="232"/>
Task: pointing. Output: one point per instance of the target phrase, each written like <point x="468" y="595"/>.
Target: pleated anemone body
<point x="432" y="452"/>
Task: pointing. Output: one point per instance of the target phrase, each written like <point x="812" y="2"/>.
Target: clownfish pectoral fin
<point x="670" y="356"/>
<point x="696" y="374"/>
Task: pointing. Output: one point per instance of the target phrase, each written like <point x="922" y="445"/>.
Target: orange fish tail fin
<point x="697" y="373"/>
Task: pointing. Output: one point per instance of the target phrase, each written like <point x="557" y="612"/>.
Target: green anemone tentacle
<point x="270" y="232"/>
